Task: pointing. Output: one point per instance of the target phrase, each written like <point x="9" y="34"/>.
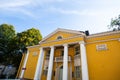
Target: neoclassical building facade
<point x="73" y="55"/>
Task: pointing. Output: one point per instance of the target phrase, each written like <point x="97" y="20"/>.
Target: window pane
<point x="77" y="50"/>
<point x="59" y="37"/>
<point x="77" y="72"/>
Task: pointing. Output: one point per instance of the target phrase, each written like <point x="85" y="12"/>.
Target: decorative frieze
<point x="101" y="47"/>
<point x="35" y="53"/>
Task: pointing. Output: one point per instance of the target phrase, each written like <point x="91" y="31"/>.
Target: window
<point x="77" y="72"/>
<point x="48" y="53"/>
<point x="62" y="53"/>
<point x="77" y="50"/>
<point x="45" y="71"/>
<point x="59" y="37"/>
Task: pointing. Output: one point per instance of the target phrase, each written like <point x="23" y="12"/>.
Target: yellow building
<point x="73" y="55"/>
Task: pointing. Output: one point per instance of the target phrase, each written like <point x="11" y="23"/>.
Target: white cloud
<point x="14" y="3"/>
<point x="16" y="7"/>
<point x="23" y="6"/>
<point x="21" y="3"/>
<point x="87" y="12"/>
<point x="23" y="11"/>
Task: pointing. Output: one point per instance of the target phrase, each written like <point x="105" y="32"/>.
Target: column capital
<point x="41" y="48"/>
<point x="65" y="44"/>
<point x="81" y="42"/>
<point x="51" y="46"/>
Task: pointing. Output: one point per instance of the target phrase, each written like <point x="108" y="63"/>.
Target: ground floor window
<point x="45" y="72"/>
<point x="78" y="72"/>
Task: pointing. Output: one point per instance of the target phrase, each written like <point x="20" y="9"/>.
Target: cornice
<point x="33" y="46"/>
<point x="98" y="41"/>
<point x="103" y="34"/>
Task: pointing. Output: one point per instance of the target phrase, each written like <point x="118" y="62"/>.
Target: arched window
<point x="59" y="37"/>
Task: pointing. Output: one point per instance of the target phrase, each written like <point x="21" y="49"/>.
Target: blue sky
<point x="48" y="15"/>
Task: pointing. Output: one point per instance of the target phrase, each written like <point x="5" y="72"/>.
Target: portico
<point x="60" y="61"/>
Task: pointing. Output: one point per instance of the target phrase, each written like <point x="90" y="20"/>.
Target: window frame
<point x="78" y="50"/>
<point x="59" y="37"/>
<point x="77" y="73"/>
<point x="48" y="53"/>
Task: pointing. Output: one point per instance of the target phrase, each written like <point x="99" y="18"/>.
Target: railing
<point x="60" y="59"/>
<point x="77" y="56"/>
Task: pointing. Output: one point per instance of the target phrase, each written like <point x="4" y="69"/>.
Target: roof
<point x="104" y="33"/>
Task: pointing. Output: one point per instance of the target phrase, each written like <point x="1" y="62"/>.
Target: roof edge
<point x="33" y="46"/>
<point x="64" y="30"/>
<point x="103" y="33"/>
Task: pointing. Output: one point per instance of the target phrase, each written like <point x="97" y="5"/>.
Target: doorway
<point x="60" y="75"/>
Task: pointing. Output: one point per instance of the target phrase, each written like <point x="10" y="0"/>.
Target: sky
<point x="48" y="15"/>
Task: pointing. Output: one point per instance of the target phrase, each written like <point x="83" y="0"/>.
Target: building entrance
<point x="60" y="76"/>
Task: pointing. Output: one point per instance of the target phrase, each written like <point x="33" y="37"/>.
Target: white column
<point x="24" y="64"/>
<point x="50" y="66"/>
<point x="38" y="71"/>
<point x="84" y="61"/>
<point x="65" y="63"/>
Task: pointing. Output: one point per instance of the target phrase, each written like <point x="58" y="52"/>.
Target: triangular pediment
<point x="64" y="33"/>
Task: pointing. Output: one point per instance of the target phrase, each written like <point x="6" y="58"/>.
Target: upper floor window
<point x="59" y="37"/>
<point x="77" y="50"/>
<point x="48" y="53"/>
<point x="62" y="53"/>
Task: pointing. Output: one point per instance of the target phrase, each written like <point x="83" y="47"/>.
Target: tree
<point x="28" y="38"/>
<point x="12" y="45"/>
<point x="7" y="34"/>
<point x="115" y="23"/>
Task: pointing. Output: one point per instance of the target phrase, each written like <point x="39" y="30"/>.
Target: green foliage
<point x="28" y="38"/>
<point x="115" y="23"/>
<point x="12" y="45"/>
<point x="7" y="34"/>
<point x="7" y="31"/>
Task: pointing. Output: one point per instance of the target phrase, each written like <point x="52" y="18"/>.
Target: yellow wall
<point x="20" y="66"/>
<point x="63" y="34"/>
<point x="104" y="65"/>
<point x="100" y="38"/>
<point x="31" y="63"/>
